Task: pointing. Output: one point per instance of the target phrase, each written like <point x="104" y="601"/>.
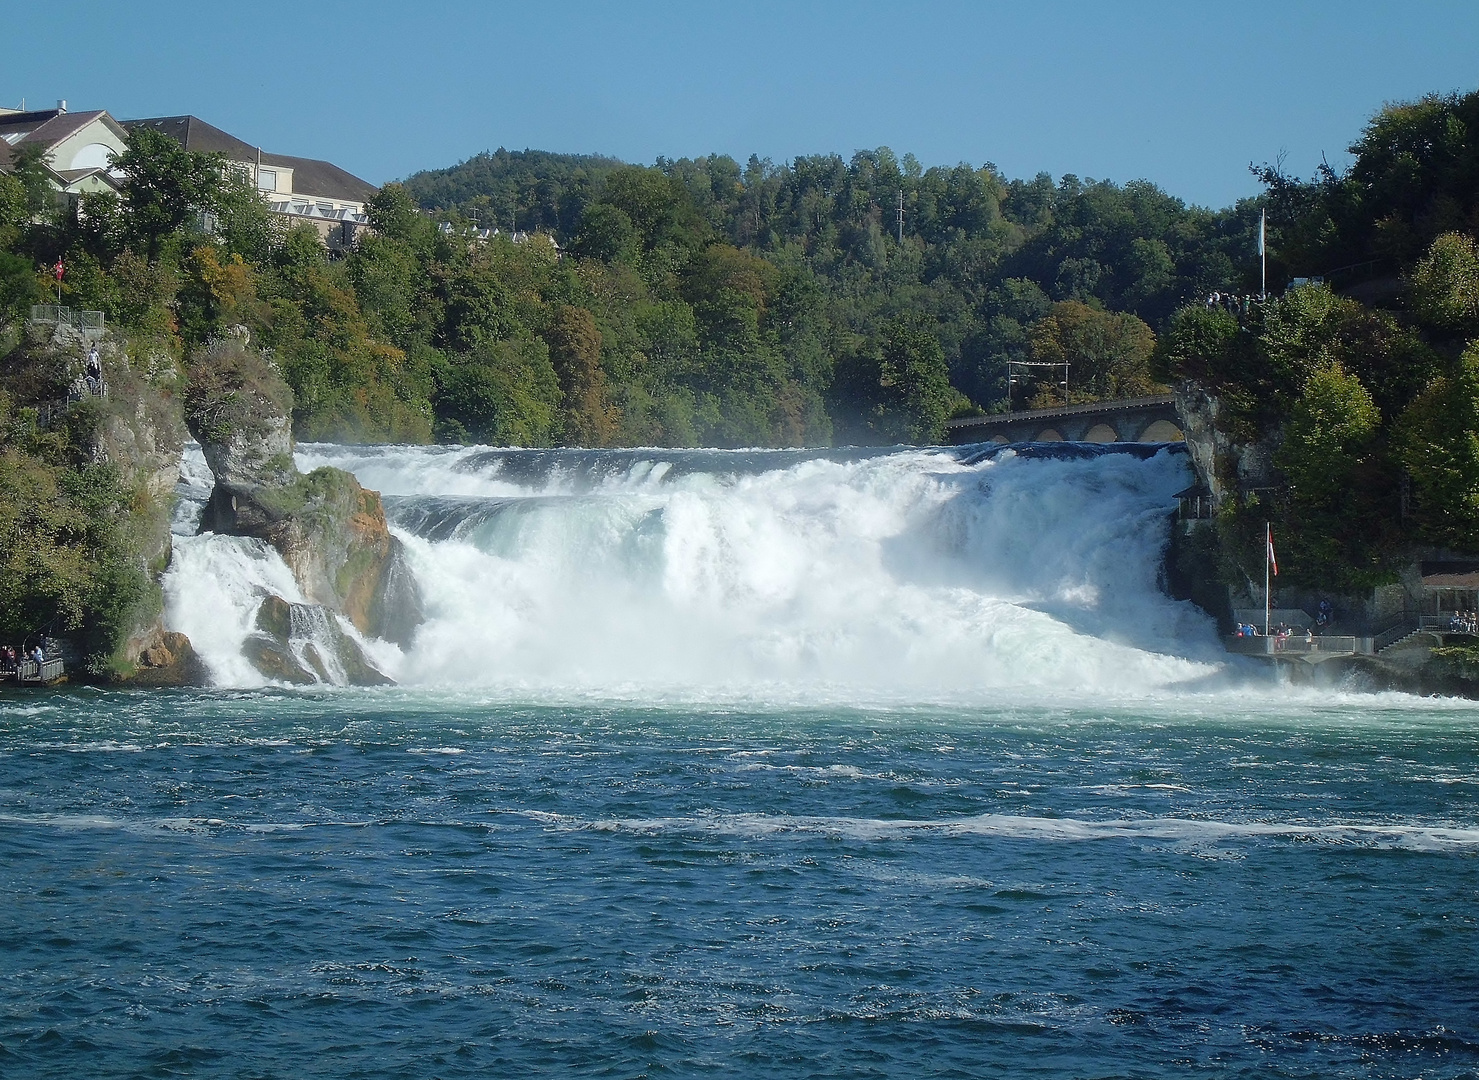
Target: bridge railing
<point x="1063" y="410"/>
<point x="91" y="323"/>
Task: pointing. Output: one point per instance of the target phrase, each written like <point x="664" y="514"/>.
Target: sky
<point x="1184" y="94"/>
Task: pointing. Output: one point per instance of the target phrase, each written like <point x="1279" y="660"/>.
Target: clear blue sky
<point x="1185" y="94"/>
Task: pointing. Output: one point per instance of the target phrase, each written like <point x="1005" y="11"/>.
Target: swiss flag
<point x="60" y="269"/>
<point x="1273" y="562"/>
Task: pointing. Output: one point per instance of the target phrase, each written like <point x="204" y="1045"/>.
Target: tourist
<point x="94" y="371"/>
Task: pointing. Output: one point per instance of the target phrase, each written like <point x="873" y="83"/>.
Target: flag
<point x="59" y="268"/>
<point x="1262" y="229"/>
<point x="1273" y="562"/>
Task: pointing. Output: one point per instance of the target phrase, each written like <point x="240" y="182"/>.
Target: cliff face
<point x="329" y="530"/>
<point x="1226" y="463"/>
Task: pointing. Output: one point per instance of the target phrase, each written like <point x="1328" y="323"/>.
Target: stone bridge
<point x="1147" y="419"/>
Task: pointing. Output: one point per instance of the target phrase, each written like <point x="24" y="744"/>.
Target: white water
<point x="906" y="574"/>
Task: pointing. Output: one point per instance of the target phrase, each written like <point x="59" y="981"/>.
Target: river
<point x="742" y="763"/>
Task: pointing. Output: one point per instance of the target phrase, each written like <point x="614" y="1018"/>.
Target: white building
<point x="78" y="145"/>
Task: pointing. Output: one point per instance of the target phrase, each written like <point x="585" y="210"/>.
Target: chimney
<point x="61" y="104"/>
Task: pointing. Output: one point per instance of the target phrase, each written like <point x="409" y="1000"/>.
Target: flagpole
<point x="1262" y="255"/>
<point x="1268" y="545"/>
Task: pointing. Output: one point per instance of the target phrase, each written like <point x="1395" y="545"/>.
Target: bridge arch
<point x="1162" y="431"/>
<point x="1048" y="435"/>
<point x="1000" y="440"/>
<point x="1101" y="433"/>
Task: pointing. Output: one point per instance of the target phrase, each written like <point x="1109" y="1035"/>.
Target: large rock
<point x="332" y="534"/>
<point x="160" y="657"/>
<point x="328" y="655"/>
<point x="331" y="531"/>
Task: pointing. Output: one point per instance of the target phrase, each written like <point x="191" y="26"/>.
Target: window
<point x="267" y="179"/>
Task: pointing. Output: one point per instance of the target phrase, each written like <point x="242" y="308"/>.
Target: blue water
<point x="392" y="884"/>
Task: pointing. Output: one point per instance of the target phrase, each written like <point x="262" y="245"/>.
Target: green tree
<point x="505" y="393"/>
<point x="575" y="350"/>
<point x="1340" y="489"/>
<point x="1437" y="442"/>
<point x="1108" y="354"/>
<point x="164" y="186"/>
<point x="1445" y="283"/>
<point x="898" y="390"/>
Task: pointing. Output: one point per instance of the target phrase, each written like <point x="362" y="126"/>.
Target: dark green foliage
<point x="68" y="554"/>
<point x="164" y="187"/>
<point x="1438" y="444"/>
<point x="1342" y="494"/>
<point x="898" y="391"/>
<point x="982" y="261"/>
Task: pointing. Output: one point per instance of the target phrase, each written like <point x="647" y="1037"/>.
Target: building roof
<point x="195" y="134"/>
<point x="310" y="175"/>
<point x="314" y="177"/>
<point x="16" y="126"/>
<point x="62" y="125"/>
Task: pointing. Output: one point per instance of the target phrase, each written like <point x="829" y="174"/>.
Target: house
<point x="305" y="190"/>
<point x="78" y="145"/>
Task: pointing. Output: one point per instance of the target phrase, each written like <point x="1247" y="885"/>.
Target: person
<point x="94" y="371"/>
<point x="38" y="655"/>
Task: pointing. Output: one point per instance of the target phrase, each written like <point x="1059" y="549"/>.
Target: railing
<point x="91" y="323"/>
<point x="1330" y="645"/>
<point x="28" y="671"/>
<point x="1393" y="634"/>
<point x="1196" y="508"/>
<point x="1111" y="405"/>
<point x="1446" y="622"/>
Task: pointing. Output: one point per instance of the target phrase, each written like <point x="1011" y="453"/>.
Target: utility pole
<point x="900" y="216"/>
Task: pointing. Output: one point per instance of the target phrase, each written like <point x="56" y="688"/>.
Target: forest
<point x="685" y="303"/>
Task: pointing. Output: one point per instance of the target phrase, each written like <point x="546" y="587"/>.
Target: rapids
<point x="945" y="574"/>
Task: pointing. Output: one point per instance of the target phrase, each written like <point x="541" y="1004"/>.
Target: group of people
<point x="1237" y="304"/>
<point x="9" y="658"/>
<point x="1464" y="622"/>
<point x="1280" y="635"/>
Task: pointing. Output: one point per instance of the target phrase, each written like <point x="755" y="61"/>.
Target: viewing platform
<point x="1295" y="647"/>
<point x="30" y="673"/>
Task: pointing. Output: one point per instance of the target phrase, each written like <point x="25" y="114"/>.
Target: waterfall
<point x="865" y="574"/>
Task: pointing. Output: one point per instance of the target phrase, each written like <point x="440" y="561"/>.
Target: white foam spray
<point x="904" y="574"/>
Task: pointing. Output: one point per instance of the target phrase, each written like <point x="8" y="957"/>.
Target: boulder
<point x="158" y="657"/>
<point x="286" y="631"/>
<point x="332" y="534"/>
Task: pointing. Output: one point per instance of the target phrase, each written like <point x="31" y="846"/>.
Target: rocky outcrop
<point x="330" y="531"/>
<point x="303" y="644"/>
<point x="332" y="534"/>
<point x="155" y="656"/>
<point x="1226" y="463"/>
